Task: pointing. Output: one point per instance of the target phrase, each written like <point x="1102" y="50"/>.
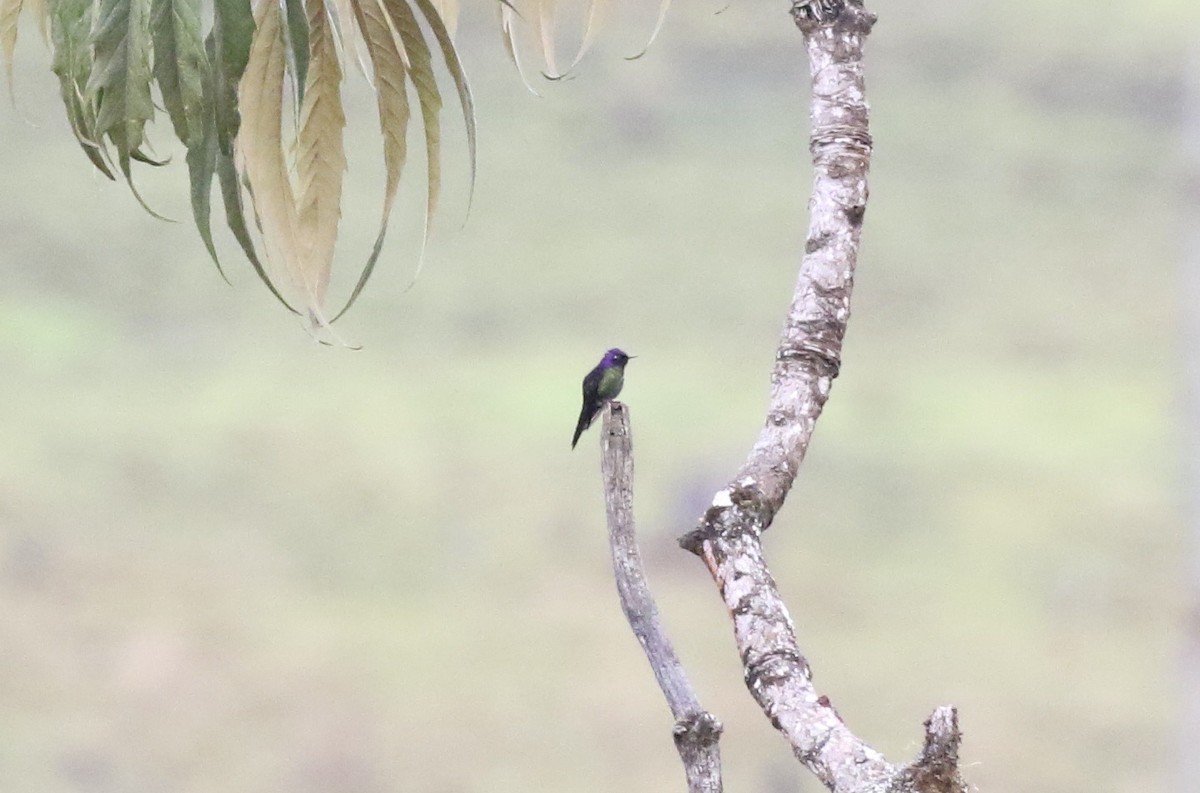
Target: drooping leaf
<point x="593" y="21"/>
<point x="235" y="216"/>
<point x="232" y="37"/>
<point x="543" y="21"/>
<point x="391" y="96"/>
<point x="180" y="64"/>
<point x="454" y="65"/>
<point x="448" y="11"/>
<point x="429" y="98"/>
<point x="202" y="160"/>
<point x="202" y="166"/>
<point x="591" y="29"/>
<point x="508" y="26"/>
<point x="119" y="85"/>
<point x="348" y="43"/>
<point x="320" y="156"/>
<point x="545" y="27"/>
<point x="70" y="29"/>
<point x="140" y="156"/>
<point x="227" y="49"/>
<point x="232" y="33"/>
<point x="261" y="157"/>
<point x="658" y="26"/>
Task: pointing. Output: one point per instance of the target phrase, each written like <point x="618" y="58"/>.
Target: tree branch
<point x="696" y="730"/>
<point x="728" y="538"/>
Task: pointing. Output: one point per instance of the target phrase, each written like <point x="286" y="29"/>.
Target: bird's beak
<point x="631" y="357"/>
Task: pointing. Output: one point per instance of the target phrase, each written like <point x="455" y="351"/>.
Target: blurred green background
<point x="233" y="560"/>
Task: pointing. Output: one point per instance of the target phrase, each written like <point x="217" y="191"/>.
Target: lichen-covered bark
<point x="777" y="674"/>
<point x="728" y="538"/>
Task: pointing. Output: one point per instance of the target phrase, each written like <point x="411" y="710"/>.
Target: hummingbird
<point x="600" y="387"/>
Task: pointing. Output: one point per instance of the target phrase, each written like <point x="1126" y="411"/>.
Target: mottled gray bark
<point x="728" y="538"/>
<point x="696" y="730"/>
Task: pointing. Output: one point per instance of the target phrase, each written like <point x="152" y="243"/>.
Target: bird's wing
<point x="591" y="382"/>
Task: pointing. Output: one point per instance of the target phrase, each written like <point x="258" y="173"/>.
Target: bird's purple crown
<point x="613" y="357"/>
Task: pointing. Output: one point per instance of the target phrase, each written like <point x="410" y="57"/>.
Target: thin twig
<point x="728" y="538"/>
<point x="697" y="731"/>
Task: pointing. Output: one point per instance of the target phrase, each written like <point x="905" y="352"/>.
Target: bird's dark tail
<point x="585" y="421"/>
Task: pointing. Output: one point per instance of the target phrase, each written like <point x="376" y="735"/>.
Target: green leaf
<point x="143" y="157"/>
<point x="202" y="166"/>
<point x="180" y="64"/>
<point x="202" y="162"/>
<point x="70" y="29"/>
<point x="119" y="85"/>
<point x="232" y="33"/>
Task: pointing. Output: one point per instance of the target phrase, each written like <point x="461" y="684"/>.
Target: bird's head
<point x="616" y="357"/>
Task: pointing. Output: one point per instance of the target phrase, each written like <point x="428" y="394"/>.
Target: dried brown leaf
<point x="261" y="154"/>
<point x="320" y="155"/>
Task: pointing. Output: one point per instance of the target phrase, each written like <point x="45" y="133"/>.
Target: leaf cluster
<point x="253" y="91"/>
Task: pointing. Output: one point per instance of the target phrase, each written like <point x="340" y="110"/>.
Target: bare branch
<point x="936" y="769"/>
<point x="728" y="538"/>
<point x="696" y="731"/>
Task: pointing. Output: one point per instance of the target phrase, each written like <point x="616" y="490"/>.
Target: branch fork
<point x="729" y="536"/>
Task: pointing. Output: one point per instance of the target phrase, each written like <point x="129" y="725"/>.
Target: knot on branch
<point x="842" y="141"/>
<point x="850" y="14"/>
<point x="738" y="509"/>
<point x="936" y="769"/>
<point x="698" y="730"/>
<point x="778" y="666"/>
<point x="818" y="345"/>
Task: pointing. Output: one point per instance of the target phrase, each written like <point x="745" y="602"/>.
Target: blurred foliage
<point x="254" y="94"/>
<point x="231" y="560"/>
